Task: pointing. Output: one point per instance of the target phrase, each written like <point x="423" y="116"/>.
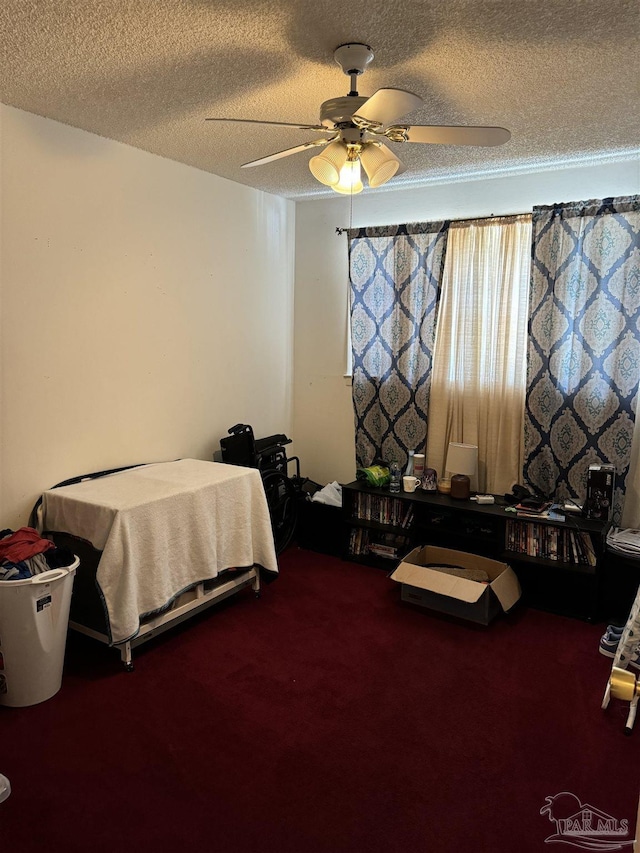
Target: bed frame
<point x="88" y="615"/>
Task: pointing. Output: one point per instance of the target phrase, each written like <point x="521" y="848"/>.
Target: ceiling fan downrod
<point x="353" y="58"/>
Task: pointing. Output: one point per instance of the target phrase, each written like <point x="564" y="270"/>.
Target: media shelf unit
<point x="559" y="564"/>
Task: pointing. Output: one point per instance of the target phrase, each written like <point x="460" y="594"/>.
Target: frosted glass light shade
<point x="350" y="181"/>
<point x="380" y="164"/>
<point x="325" y="167"/>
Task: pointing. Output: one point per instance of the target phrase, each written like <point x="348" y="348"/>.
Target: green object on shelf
<point x="374" y="475"/>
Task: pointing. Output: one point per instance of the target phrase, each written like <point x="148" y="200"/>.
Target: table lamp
<point x="462" y="461"/>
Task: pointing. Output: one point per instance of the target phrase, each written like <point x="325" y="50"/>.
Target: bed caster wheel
<point x="258" y="595"/>
<point x="128" y="667"/>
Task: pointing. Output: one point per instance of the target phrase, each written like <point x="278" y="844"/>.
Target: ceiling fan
<point x="355" y="129"/>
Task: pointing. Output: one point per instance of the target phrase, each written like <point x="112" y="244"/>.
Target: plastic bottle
<point x="409" y="469"/>
<point x="396" y="478"/>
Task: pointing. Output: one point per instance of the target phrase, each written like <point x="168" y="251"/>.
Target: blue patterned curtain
<point x="396" y="275"/>
<point x="584" y="343"/>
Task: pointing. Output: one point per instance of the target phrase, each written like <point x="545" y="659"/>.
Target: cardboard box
<point x="422" y="584"/>
<point x="600" y="483"/>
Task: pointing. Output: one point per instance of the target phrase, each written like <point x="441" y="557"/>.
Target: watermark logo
<point x="584" y="826"/>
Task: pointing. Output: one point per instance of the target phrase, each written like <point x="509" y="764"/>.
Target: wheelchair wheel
<point x="282" y="503"/>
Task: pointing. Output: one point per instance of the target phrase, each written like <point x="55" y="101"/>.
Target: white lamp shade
<point x="325" y="167"/>
<point x="462" y="459"/>
<point x="350" y="181"/>
<point x="379" y="163"/>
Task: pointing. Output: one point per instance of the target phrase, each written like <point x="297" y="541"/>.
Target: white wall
<point x="145" y="308"/>
<point x="323" y="422"/>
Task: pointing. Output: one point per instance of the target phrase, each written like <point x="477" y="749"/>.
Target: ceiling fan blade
<point x="288" y="151"/>
<point x="434" y="135"/>
<point x="387" y="105"/>
<point x="272" y="123"/>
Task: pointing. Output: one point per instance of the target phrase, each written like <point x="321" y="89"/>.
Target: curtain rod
<point x="464" y="219"/>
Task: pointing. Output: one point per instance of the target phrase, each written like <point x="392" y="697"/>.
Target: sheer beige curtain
<point x="479" y="368"/>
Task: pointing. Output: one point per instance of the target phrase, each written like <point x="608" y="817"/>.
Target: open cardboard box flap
<point x="507" y="589"/>
<point x="419" y="569"/>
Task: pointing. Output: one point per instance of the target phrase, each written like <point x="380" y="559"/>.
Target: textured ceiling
<point x="562" y="75"/>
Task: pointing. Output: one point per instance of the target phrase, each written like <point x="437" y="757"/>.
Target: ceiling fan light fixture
<point x="354" y="121"/>
<point x="379" y="163"/>
<point x="325" y="167"/>
<point x="350" y="182"/>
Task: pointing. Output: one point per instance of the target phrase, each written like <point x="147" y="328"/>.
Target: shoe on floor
<point x="610" y="640"/>
<point x="609" y="644"/>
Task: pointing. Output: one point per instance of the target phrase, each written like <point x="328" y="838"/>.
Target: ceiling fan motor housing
<point x="339" y="110"/>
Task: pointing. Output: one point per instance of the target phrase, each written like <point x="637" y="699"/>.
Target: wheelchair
<point x="269" y="456"/>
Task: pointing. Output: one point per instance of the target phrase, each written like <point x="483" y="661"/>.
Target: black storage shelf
<point x="378" y="525"/>
<point x="512" y="557"/>
<point x="571" y="588"/>
<point x="485" y="545"/>
<point x="377" y="562"/>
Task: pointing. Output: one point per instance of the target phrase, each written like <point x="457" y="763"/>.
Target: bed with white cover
<point x="166" y="540"/>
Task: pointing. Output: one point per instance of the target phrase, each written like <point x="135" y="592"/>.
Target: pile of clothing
<point x="624" y="541"/>
<point x="331" y="494"/>
<point x="24" y="554"/>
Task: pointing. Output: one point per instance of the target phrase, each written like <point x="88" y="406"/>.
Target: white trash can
<point x="34" y="619"/>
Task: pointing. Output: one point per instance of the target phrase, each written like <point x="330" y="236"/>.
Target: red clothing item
<point x="22" y="544"/>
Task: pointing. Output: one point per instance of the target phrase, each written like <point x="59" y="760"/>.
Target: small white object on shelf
<point x="408" y="471"/>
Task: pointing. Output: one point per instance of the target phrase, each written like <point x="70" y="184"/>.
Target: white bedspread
<point x="162" y="528"/>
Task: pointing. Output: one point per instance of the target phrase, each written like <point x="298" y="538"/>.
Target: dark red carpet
<point x="325" y="717"/>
